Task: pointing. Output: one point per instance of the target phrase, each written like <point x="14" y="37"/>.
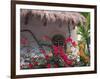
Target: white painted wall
<point x="36" y="26"/>
<point x="5" y="39"/>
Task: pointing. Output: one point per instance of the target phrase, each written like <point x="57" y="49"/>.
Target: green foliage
<point x="87" y="16"/>
<point x="84" y="30"/>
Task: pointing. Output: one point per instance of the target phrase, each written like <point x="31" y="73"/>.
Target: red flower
<point x="69" y="39"/>
<point x="30" y="65"/>
<point x="35" y="63"/>
<point x="48" y="66"/>
<point x="21" y="66"/>
<point x="62" y="54"/>
<point x="46" y="38"/>
<point x="47" y="57"/>
<point x="43" y="52"/>
<point x="74" y="43"/>
<point x="24" y="41"/>
<point x="55" y="48"/>
<point x="32" y="58"/>
<point x="56" y="65"/>
<point x="69" y="62"/>
<point x="65" y="57"/>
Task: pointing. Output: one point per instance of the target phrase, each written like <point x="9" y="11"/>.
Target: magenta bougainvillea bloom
<point x="74" y="43"/>
<point x="58" y="50"/>
<point x="43" y="52"/>
<point x="32" y="58"/>
<point x="46" y="38"/>
<point x="21" y="66"/>
<point x="35" y="63"/>
<point x="24" y="41"/>
<point x="69" y="39"/>
<point x="47" y="57"/>
<point x="55" y="65"/>
<point x="65" y="57"/>
<point x="55" y="48"/>
<point x="48" y="65"/>
<point x="30" y="65"/>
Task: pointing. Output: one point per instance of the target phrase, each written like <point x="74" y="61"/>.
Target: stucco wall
<point x="37" y="27"/>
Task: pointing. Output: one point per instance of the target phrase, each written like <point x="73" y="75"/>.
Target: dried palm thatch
<point x="72" y="18"/>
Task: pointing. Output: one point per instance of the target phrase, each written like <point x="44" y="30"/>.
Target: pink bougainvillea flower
<point x="74" y="43"/>
<point x="48" y="66"/>
<point x="58" y="50"/>
<point x="69" y="62"/>
<point x="69" y="39"/>
<point x="21" y="66"/>
<point x="55" y="65"/>
<point x="24" y="41"/>
<point x="47" y="57"/>
<point x="35" y="63"/>
<point x="55" y="48"/>
<point x="46" y="38"/>
<point x="30" y="65"/>
<point x="65" y="57"/>
<point x="43" y="51"/>
<point x="32" y="58"/>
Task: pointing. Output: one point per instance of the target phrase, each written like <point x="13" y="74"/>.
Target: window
<point x="58" y="40"/>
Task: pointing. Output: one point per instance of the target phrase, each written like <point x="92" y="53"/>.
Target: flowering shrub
<point x="51" y="57"/>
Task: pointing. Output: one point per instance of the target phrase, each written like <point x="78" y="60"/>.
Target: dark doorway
<point x="59" y="40"/>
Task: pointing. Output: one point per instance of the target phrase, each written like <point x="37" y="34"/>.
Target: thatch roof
<point x="52" y="16"/>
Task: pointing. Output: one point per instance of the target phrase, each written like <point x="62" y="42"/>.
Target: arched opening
<point x="59" y="40"/>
